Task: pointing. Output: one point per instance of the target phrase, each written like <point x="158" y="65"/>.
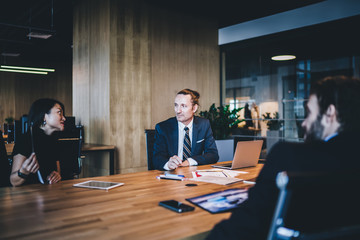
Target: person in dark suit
<point x="331" y="144"/>
<point x="184" y="140"/>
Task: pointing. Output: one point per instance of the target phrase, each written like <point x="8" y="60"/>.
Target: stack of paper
<point x="216" y="173"/>
<point x="217" y="180"/>
<point x="218" y="176"/>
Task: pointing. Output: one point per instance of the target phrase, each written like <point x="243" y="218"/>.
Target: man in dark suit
<point x="331" y="144"/>
<point x="184" y="140"/>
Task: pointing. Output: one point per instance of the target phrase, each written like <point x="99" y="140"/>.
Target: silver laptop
<point x="247" y="154"/>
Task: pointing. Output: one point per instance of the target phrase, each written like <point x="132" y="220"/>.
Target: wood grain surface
<point x="61" y="211"/>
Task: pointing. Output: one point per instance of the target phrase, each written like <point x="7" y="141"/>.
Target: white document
<point x="217" y="180"/>
<point x="216" y="173"/>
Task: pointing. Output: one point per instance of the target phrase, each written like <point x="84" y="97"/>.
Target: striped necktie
<point x="187" y="145"/>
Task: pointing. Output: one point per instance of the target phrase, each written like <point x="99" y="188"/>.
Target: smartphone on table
<point x="176" y="206"/>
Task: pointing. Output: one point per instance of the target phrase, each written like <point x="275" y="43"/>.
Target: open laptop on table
<point x="247" y="154"/>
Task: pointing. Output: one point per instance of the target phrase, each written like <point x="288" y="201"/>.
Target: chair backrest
<point x="150" y="139"/>
<point x="70" y="154"/>
<point x="5" y="167"/>
<point x="316" y="205"/>
<point x="20" y="127"/>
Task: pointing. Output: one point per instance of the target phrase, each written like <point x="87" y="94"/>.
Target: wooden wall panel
<point x="91" y="75"/>
<point x="130" y="80"/>
<point x="7" y="97"/>
<point x="81" y="62"/>
<point x="130" y="60"/>
<point x="91" y="69"/>
<point x="185" y="54"/>
<point x="62" y="86"/>
<point x="99" y="72"/>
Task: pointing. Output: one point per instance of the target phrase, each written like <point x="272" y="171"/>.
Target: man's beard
<point x="315" y="132"/>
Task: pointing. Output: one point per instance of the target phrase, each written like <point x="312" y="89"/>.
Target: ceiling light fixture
<point x="10" y="54"/>
<point x="22" y="71"/>
<point x="283" y="57"/>
<point x="29" y="68"/>
<point x="39" y="35"/>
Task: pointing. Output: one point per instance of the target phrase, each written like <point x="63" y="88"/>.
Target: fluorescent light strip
<point x="283" y="57"/>
<point x="29" y="68"/>
<point x="22" y="71"/>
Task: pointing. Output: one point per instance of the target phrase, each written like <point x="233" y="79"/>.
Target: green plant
<point x="222" y="120"/>
<point x="273" y="123"/>
<point x="9" y="120"/>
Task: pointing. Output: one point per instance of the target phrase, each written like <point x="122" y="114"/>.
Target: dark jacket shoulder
<point x="170" y="122"/>
<point x="201" y="120"/>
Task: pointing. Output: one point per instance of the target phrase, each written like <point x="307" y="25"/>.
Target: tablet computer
<point x="221" y="201"/>
<point x="98" y="184"/>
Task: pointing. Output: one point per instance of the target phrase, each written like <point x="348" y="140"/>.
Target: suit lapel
<point x="175" y="136"/>
<point x="195" y="134"/>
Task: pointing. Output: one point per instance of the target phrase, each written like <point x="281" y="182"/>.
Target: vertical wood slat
<point x="99" y="72"/>
<point x="82" y="66"/>
<point x="130" y="82"/>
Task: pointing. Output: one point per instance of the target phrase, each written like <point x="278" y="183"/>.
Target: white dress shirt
<point x="181" y="135"/>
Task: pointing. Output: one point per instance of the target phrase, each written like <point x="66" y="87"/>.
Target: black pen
<point x="169" y="178"/>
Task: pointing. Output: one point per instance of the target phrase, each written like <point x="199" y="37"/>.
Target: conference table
<point x="131" y="211"/>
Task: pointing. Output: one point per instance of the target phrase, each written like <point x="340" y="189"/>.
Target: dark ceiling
<point x="19" y="17"/>
<point x="230" y="12"/>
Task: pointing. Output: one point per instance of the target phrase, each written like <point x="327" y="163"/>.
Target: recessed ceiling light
<point x="283" y="57"/>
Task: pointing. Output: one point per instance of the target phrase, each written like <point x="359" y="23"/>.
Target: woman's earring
<point x="44" y="123"/>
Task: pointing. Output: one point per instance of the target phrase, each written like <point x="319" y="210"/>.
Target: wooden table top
<point x="61" y="211"/>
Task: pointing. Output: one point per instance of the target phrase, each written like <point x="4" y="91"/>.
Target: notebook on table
<point x="247" y="154"/>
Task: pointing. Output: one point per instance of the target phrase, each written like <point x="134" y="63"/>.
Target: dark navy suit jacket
<point x="253" y="217"/>
<point x="203" y="147"/>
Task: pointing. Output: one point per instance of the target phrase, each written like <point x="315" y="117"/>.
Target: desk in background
<point x="61" y="211"/>
<point x="86" y="148"/>
<point x="89" y="147"/>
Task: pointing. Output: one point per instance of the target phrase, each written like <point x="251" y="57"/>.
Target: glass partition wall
<point x="273" y="94"/>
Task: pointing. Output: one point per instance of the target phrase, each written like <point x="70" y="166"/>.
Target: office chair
<point x="150" y="139"/>
<point x="20" y="127"/>
<point x="317" y="205"/>
<point x="5" y="167"/>
<point x="70" y="154"/>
